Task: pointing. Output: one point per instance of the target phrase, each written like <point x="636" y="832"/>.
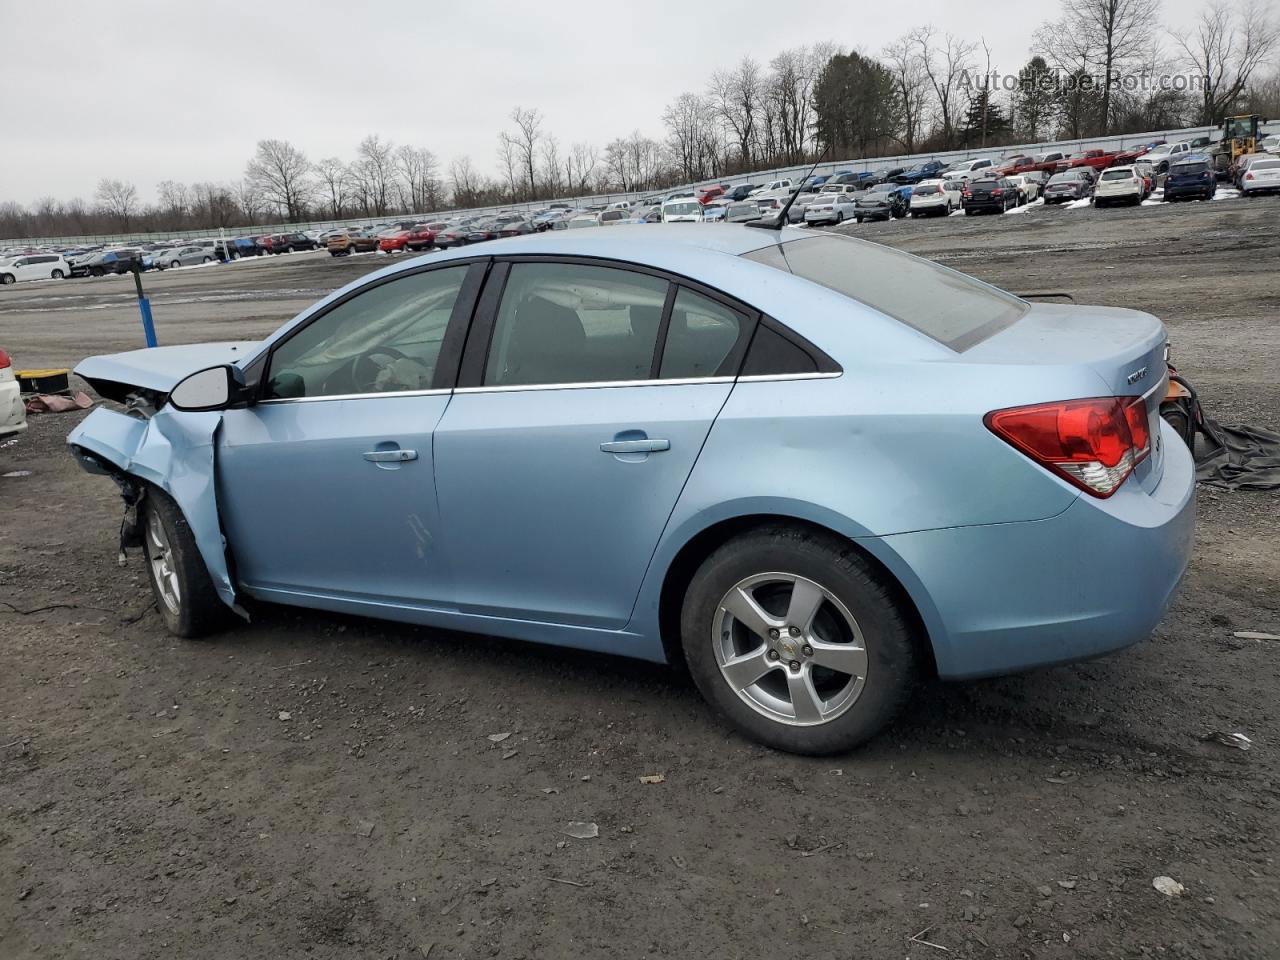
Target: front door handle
<point x="391" y="456"/>
<point x="635" y="446"/>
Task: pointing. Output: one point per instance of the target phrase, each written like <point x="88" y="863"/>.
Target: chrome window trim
<point x="765" y="377"/>
<point x="360" y="396"/>
<point x="590" y="385"/>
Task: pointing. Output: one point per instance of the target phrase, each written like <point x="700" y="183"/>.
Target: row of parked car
<point x="932" y="188"/>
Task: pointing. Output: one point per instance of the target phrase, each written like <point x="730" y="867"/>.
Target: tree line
<point x="1100" y="68"/>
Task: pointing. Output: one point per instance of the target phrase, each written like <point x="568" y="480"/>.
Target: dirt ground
<point x="321" y="786"/>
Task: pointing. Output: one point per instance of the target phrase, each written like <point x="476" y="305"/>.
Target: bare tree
<point x="524" y="145"/>
<point x="335" y="182"/>
<point x="552" y="169"/>
<point x="466" y="182"/>
<point x="581" y="167"/>
<point x="118" y="199"/>
<point x="1105" y="36"/>
<point x="372" y="173"/>
<point x="175" y="198"/>
<point x="508" y="157"/>
<point x="911" y="86"/>
<point x="1225" y="48"/>
<point x="736" y="97"/>
<point x="689" y="120"/>
<point x="247" y="198"/>
<point x="417" y="169"/>
<point x="945" y="64"/>
<point x="282" y="175"/>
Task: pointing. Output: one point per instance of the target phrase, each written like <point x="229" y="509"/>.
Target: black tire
<point x="175" y="264"/>
<point x="97" y="272"/>
<point x="206" y="259"/>
<point x="892" y="655"/>
<point x="56" y="275"/>
<point x="856" y="218"/>
<point x="7" y="278"/>
<point x="198" y="610"/>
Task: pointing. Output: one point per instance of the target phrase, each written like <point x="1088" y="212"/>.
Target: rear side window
<point x="570" y="323"/>
<point x="951" y="308"/>
<point x="700" y="337"/>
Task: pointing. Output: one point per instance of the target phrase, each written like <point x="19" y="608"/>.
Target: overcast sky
<point x="148" y="91"/>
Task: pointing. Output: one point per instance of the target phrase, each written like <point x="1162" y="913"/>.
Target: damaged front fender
<point x="174" y="451"/>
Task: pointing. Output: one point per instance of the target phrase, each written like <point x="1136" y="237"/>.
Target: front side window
<point x="386" y="339"/>
<point x="562" y="323"/>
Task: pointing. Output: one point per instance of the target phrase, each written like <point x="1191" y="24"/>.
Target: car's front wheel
<point x="184" y="592"/>
<point x="794" y="637"/>
<point x="7" y="278"/>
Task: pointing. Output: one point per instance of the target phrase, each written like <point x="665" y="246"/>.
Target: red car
<point x="1015" y="165"/>
<point x="394" y="242"/>
<point x="706" y="194"/>
<point x="1098" y="159"/>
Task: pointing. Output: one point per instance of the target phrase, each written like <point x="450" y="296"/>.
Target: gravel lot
<point x="322" y="786"/>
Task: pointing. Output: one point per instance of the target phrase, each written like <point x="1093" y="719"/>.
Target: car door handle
<point x="635" y="446"/>
<point x="391" y="456"/>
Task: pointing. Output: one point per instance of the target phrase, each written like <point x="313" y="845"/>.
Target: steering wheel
<point x="366" y="367"/>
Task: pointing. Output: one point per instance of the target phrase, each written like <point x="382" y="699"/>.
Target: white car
<point x="936" y="198"/>
<point x="1118" y="185"/>
<point x="1269" y="144"/>
<point x="1165" y="155"/>
<point x="682" y="211"/>
<point x="1029" y="187"/>
<point x="965" y="169"/>
<point x="13" y="415"/>
<point x="831" y="206"/>
<point x="772" y="187"/>
<point x="1262" y="175"/>
<point x="34" y="266"/>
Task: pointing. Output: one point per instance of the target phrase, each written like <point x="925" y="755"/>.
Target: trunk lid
<point x="116" y="375"/>
<point x="1124" y="349"/>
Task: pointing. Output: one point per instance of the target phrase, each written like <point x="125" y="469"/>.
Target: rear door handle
<point x="635" y="446"/>
<point x="391" y="456"/>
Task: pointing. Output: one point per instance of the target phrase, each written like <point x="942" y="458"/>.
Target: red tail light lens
<point x="1093" y="444"/>
<point x="4" y="360"/>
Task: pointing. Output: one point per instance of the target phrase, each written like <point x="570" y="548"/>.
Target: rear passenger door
<point x="573" y="431"/>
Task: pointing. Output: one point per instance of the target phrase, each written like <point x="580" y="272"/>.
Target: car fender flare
<point x="175" y="451"/>
<point x="646" y="616"/>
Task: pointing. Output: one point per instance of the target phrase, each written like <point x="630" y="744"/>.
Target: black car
<point x="886" y="176"/>
<point x="454" y="235"/>
<point x="119" y="260"/>
<point x="1069" y="185"/>
<point x="515" y="228"/>
<point x="739" y="192"/>
<point x="1190" y="178"/>
<point x="287" y="242"/>
<point x="994" y="194"/>
<point x="884" y="201"/>
<point x="482" y="231"/>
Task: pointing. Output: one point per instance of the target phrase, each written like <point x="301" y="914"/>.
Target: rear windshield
<point x="1264" y="165"/>
<point x="955" y="310"/>
<point x="926" y="190"/>
<point x="1118" y="175"/>
<point x="1190" y="167"/>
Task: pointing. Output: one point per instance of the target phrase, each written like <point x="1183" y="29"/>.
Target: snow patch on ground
<point x="1077" y="204"/>
<point x="1227" y="193"/>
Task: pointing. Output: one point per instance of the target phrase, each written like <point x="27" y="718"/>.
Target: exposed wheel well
<point x="693" y="553"/>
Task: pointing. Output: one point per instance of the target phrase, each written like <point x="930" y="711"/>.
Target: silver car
<point x="181" y="257"/>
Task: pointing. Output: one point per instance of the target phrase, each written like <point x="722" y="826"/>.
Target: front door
<point x="326" y="485"/>
<point x="558" y="472"/>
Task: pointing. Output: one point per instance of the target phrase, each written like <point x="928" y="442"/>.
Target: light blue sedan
<point x="814" y="468"/>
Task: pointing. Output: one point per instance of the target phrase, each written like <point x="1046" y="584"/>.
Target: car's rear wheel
<point x="795" y="638"/>
<point x="184" y="592"/>
<point x="57" y="275"/>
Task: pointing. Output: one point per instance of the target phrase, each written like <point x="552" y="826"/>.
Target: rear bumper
<point x="1096" y="578"/>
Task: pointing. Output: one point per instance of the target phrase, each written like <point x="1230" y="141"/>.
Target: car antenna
<point x="786" y="207"/>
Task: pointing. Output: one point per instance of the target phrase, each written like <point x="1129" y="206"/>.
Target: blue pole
<point x="144" y="307"/>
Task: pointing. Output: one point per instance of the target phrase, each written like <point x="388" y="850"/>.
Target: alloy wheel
<point x="789" y="649"/>
<point x="163" y="571"/>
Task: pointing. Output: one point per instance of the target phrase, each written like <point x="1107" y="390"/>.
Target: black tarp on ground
<point x="1234" y="457"/>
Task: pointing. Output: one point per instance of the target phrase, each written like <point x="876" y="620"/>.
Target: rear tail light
<point x="1093" y="444"/>
<point x="998" y="191"/>
<point x="4" y="360"/>
<point x="1248" y="176"/>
